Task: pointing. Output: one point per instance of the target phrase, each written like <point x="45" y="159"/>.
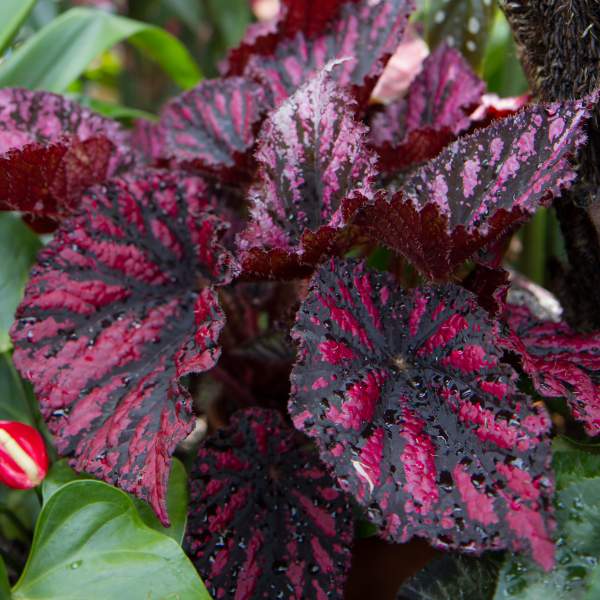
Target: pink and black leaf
<point x="479" y="188"/>
<point x="434" y="111"/>
<point x="560" y="361"/>
<point x="211" y="127"/>
<point x="313" y="164"/>
<point x="367" y="31"/>
<point x="119" y="308"/>
<point x="266" y="520"/>
<point x="51" y="149"/>
<point x="411" y="406"/>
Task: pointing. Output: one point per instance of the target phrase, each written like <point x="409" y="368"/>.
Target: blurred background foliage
<point x="124" y="59"/>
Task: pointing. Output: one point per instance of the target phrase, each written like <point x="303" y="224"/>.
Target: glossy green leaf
<point x="177" y="504"/>
<point x="58" y="54"/>
<point x="12" y="15"/>
<point x="453" y="576"/>
<point x="90" y="542"/>
<point x="177" y="496"/>
<point x="18" y="513"/>
<point x="4" y="585"/>
<point x="16" y="397"/>
<point x="576" y="575"/>
<point x="464" y="24"/>
<point x="18" y="248"/>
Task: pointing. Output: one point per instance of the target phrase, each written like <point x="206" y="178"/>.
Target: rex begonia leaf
<point x="479" y="188"/>
<point x="560" y="361"/>
<point x="367" y="31"/>
<point x="118" y="309"/>
<point x="51" y="149"/>
<point x="411" y="406"/>
<point x="313" y="163"/>
<point x="434" y="111"/>
<point x="266" y="520"/>
<point x="211" y="127"/>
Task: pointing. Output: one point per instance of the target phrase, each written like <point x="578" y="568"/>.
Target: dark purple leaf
<point x="211" y="127"/>
<point x="410" y="404"/>
<point x="434" y="111"/>
<point x="266" y="520"/>
<point x="560" y="361"/>
<point x="313" y="163"/>
<point x="479" y="188"/>
<point x="51" y="149"/>
<point x="118" y="309"/>
<point x="367" y="31"/>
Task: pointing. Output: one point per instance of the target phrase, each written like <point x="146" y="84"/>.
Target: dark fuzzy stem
<point x="559" y="45"/>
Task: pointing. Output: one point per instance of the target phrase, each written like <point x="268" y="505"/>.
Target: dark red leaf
<point x="493" y="107"/>
<point x="295" y="16"/>
<point x="479" y="188"/>
<point x="118" y="309"/>
<point x="408" y="399"/>
<point x="211" y="127"/>
<point x="490" y="285"/>
<point x="309" y="17"/>
<point x="560" y="361"/>
<point x="266" y="520"/>
<point x="434" y="111"/>
<point x="51" y="149"/>
<point x="313" y="162"/>
<point x="367" y="31"/>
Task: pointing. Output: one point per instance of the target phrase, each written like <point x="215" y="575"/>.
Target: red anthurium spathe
<point x="23" y="457"/>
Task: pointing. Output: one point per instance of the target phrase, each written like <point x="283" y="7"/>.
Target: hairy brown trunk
<point x="559" y="44"/>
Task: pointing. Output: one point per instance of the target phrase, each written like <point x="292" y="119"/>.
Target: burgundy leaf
<point x="313" y="162"/>
<point x="295" y="16"/>
<point x="309" y="17"/>
<point x="51" y="149"/>
<point x="118" y="309"/>
<point x="266" y="520"/>
<point x="493" y="107"/>
<point x="211" y="127"/>
<point x="490" y="285"/>
<point x="434" y="111"/>
<point x="368" y="31"/>
<point x="412" y="408"/>
<point x="479" y="188"/>
<point x="560" y="361"/>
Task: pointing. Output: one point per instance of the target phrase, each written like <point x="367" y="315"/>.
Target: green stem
<point x="533" y="259"/>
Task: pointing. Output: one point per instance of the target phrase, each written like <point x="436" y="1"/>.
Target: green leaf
<point x="90" y="542"/>
<point x="454" y="577"/>
<point x="230" y="20"/>
<point x="16" y="398"/>
<point x="502" y="70"/>
<point x="576" y="575"/>
<point x="58" y="54"/>
<point x="177" y="504"/>
<point x="18" y="248"/>
<point x="4" y="585"/>
<point x="61" y="474"/>
<point x="12" y="15"/>
<point x="18" y="513"/>
<point x="464" y="24"/>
